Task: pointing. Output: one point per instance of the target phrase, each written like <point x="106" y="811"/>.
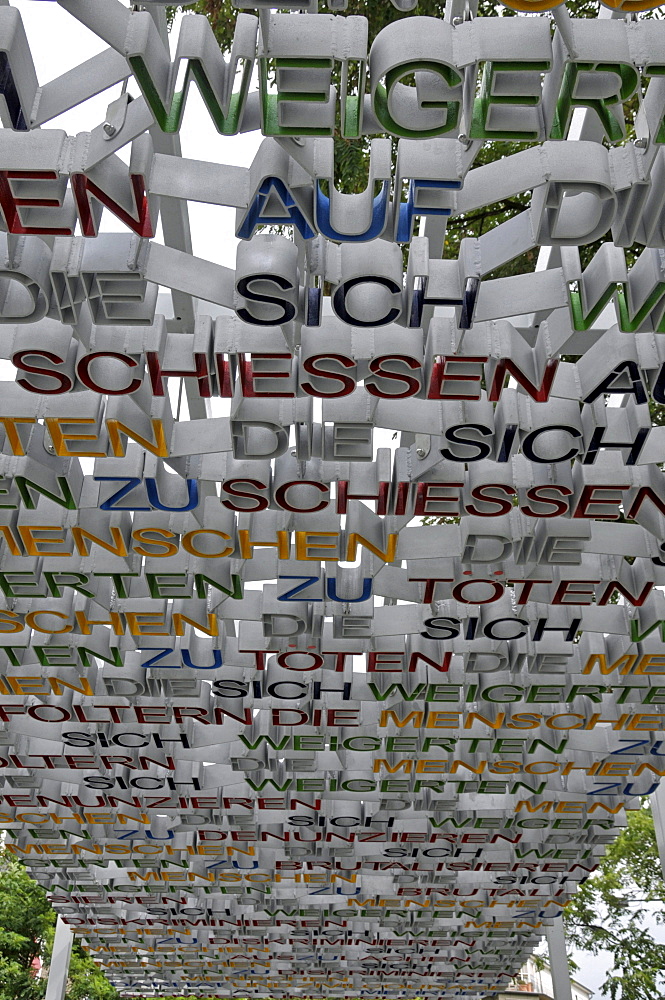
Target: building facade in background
<point x="535" y="978"/>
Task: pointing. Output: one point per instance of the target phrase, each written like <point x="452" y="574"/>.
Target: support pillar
<point x="556" y="944"/>
<point x="56" y="986"/>
<point x="658" y="810"/>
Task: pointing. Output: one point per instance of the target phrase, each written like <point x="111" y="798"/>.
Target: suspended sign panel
<point x="331" y="622"/>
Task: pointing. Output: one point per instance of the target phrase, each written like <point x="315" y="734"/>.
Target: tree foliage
<point x="616" y="912"/>
<point x="27" y="926"/>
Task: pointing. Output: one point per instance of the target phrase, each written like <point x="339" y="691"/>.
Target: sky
<point x="58" y="43"/>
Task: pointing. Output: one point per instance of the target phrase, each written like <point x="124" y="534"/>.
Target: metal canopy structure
<point x="331" y="609"/>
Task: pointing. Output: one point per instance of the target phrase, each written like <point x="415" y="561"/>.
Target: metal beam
<point x="59" y="970"/>
<point x="556" y="944"/>
<point x="658" y="809"/>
